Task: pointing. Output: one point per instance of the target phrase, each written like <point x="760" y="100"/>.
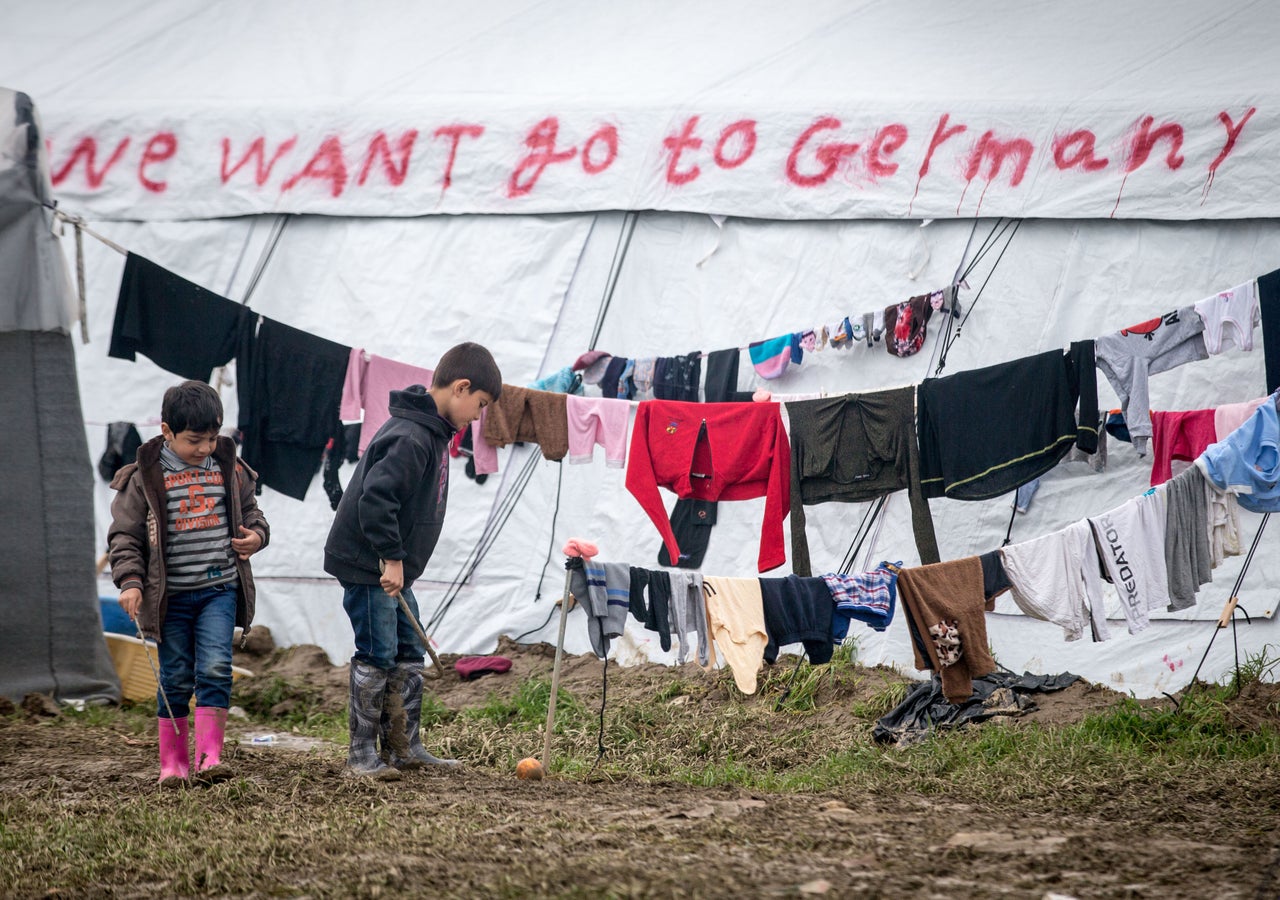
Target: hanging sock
<point x="770" y="358"/>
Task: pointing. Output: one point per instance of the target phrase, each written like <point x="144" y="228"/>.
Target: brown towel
<point x="522" y="414"/>
<point x="944" y="607"/>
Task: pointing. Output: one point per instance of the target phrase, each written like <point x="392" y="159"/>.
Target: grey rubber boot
<point x="368" y="689"/>
<point x="404" y="748"/>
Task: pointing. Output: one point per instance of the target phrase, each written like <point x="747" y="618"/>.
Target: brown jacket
<point x="136" y="537"/>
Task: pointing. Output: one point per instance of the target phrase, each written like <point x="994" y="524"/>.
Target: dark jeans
<point x="195" y="649"/>
<point x="384" y="636"/>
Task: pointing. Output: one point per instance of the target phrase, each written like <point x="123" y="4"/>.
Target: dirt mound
<point x="844" y="696"/>
<point x="1257" y="704"/>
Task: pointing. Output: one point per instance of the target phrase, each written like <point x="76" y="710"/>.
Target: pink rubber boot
<point x="175" y="768"/>
<point x="211" y="728"/>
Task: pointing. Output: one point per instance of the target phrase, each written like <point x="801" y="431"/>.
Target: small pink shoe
<point x="175" y="767"/>
<point x="211" y="728"/>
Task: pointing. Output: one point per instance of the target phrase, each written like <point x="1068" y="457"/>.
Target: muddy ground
<point x="291" y="825"/>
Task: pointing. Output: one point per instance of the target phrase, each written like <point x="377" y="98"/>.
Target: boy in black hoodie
<point x="383" y="534"/>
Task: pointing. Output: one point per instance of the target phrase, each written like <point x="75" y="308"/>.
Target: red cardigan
<point x="742" y="447"/>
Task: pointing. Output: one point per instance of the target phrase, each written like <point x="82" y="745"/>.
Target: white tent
<point x="791" y="166"/>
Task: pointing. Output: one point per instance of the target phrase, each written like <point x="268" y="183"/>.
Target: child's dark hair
<point x="191" y="406"/>
<point x="470" y="361"/>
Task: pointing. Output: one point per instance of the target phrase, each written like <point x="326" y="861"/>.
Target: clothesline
<point x="149" y="422"/>
<point x="329" y="348"/>
<point x="326" y="348"/>
<point x="904" y="326"/>
<point x="1078" y="615"/>
<point x="942" y="644"/>
<point x="749" y="618"/>
<point x="953" y="310"/>
<point x="80" y="223"/>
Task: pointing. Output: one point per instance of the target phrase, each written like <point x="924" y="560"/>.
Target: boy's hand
<point x="248" y="542"/>
<point x="392" y="580"/>
<point x="131" y="602"/>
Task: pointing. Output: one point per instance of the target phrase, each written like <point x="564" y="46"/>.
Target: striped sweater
<point x="197" y="549"/>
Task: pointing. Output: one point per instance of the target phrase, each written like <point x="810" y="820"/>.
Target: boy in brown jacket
<point x="184" y="524"/>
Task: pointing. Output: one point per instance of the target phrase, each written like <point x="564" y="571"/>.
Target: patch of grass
<point x="1199" y="727"/>
<point x="132" y="718"/>
<point x="1257" y="667"/>
<point x="526" y="709"/>
<point x="291" y="704"/>
<point x="434" y="712"/>
<point x="677" y="687"/>
<point x="794" y="687"/>
<point x="846" y="653"/>
<point x="746" y="743"/>
<point x="886" y="698"/>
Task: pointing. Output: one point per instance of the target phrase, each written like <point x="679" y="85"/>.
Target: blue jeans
<point x="195" y="649"/>
<point x="384" y="636"/>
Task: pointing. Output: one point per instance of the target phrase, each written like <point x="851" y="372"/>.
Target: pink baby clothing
<point x="581" y="547"/>
<point x="368" y="386"/>
<point x="1230" y="416"/>
<point x="597" y="420"/>
<point x="483" y="454"/>
<point x="763" y="396"/>
<point x="1230" y="316"/>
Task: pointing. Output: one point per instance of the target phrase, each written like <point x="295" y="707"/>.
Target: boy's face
<point x="465" y="404"/>
<point x="192" y="447"/>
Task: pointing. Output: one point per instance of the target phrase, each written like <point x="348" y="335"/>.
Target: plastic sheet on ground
<point x="924" y="709"/>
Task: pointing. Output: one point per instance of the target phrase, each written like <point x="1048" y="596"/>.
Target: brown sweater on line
<point x="942" y="596"/>
<point x="522" y="414"/>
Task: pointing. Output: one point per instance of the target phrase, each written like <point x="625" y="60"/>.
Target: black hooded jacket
<point x="394" y="505"/>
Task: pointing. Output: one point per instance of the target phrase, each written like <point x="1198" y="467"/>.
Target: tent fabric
<point x="50" y="625"/>
<point x="399" y="288"/>
<point x="384" y="270"/>
<point x="829" y="110"/>
<point x="35" y="294"/>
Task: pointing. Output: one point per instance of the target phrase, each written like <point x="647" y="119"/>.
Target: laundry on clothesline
<point x="1017" y="440"/>
<point x="180" y="326"/>
<point x="1130" y="356"/>
<point x="366" y="391"/>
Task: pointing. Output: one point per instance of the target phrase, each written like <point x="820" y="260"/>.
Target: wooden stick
<point x="417" y="627"/>
<point x="156" y="672"/>
<point x="422" y="635"/>
<point x="1228" y="611"/>
<point x="555" y="674"/>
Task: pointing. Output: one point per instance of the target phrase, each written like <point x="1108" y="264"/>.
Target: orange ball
<point x="529" y="769"/>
